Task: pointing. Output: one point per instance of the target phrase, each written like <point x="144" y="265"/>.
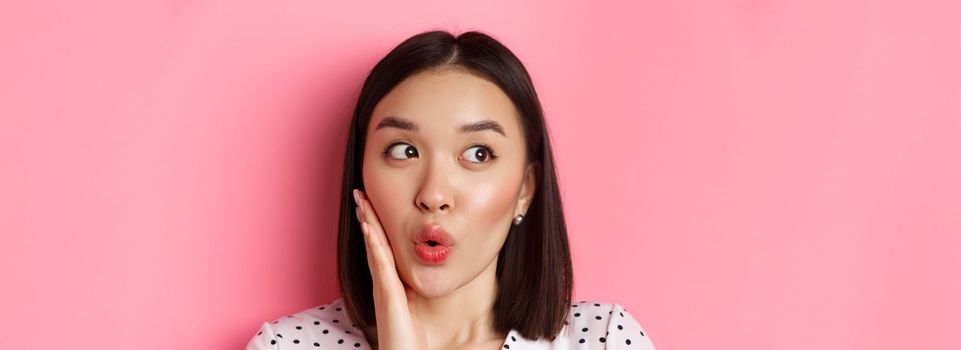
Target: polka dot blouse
<point x="590" y="325"/>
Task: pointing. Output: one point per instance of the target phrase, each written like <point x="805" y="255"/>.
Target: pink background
<point x="737" y="174"/>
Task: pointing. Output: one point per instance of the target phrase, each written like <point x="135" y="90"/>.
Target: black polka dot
<point x="511" y="343"/>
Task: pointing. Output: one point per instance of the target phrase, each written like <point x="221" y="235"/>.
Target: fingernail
<point x="356" y="198"/>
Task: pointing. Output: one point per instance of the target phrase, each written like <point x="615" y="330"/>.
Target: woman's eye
<point x="480" y="153"/>
<point x="400" y="151"/>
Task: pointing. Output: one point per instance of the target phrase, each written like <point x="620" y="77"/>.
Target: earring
<point x="518" y="219"/>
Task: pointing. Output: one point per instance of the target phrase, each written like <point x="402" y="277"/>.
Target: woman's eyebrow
<point x="481" y="126"/>
<point x="407" y="124"/>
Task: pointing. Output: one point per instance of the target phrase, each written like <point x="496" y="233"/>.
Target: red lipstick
<point x="432" y="244"/>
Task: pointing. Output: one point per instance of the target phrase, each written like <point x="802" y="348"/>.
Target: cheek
<point x="487" y="208"/>
<point x="489" y="202"/>
<point x="386" y="197"/>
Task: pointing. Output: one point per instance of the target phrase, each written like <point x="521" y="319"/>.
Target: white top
<point x="590" y="325"/>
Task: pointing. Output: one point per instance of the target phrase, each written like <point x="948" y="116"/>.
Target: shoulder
<point x="592" y="325"/>
<point x="323" y="326"/>
<point x="604" y="325"/>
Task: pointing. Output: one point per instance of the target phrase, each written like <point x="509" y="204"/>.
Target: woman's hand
<point x="397" y="325"/>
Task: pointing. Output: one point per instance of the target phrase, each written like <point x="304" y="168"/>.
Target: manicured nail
<point x="356" y="197"/>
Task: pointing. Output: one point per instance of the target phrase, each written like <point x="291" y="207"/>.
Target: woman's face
<point x="438" y="172"/>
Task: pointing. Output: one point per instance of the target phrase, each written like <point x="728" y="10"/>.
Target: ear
<point x="527" y="191"/>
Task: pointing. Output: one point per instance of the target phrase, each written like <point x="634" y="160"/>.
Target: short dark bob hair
<point x="534" y="272"/>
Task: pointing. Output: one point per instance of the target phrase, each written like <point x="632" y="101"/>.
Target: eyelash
<point x="490" y="150"/>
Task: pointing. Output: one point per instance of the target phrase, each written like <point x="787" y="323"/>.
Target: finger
<point x="380" y="248"/>
<point x="374" y="261"/>
<point x="370" y="253"/>
<point x="356" y="196"/>
<point x="359" y="209"/>
<point x="376" y="229"/>
<point x="383" y="270"/>
<point x="367" y="210"/>
<point x="383" y="261"/>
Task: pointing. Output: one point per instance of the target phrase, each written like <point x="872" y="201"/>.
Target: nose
<point x="435" y="190"/>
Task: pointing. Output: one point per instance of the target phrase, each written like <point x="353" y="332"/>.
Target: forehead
<point x="441" y="100"/>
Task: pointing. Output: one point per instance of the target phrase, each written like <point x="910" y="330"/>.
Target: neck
<point x="464" y="316"/>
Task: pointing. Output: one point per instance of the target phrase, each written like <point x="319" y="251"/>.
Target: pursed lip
<point x="435" y="233"/>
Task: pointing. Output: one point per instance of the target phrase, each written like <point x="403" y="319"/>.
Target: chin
<point x="431" y="281"/>
<point x="432" y="291"/>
